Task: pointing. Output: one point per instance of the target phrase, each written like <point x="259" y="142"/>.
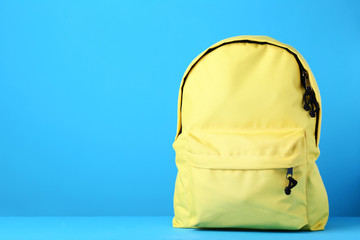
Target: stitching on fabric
<point x="239" y="130"/>
<point x="244" y="169"/>
<point x="189" y="181"/>
<point x="232" y="156"/>
<point x="306" y="179"/>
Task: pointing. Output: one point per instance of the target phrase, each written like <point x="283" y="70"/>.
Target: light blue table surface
<point x="84" y="228"/>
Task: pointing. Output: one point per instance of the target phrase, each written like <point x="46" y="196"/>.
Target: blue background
<point x="88" y="96"/>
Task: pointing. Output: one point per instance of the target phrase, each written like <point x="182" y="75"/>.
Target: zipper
<point x="292" y="181"/>
<point x="309" y="99"/>
<point x="310" y="102"/>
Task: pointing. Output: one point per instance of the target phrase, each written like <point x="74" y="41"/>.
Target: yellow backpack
<point x="249" y="117"/>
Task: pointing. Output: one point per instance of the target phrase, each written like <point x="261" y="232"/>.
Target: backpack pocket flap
<point x="247" y="149"/>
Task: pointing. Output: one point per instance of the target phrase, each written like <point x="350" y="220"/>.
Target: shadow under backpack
<point x="248" y="130"/>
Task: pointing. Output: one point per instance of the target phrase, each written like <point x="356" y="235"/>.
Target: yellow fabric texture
<point x="241" y="125"/>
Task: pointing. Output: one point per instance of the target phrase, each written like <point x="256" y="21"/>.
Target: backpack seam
<point x="307" y="180"/>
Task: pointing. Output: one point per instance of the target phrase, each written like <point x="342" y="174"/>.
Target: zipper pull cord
<point x="314" y="105"/>
<point x="306" y="99"/>
<point x="310" y="102"/>
<point x="292" y="181"/>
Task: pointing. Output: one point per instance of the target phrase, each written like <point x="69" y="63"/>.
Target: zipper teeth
<point x="304" y="76"/>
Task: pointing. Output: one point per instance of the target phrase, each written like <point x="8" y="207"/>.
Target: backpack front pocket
<point x="239" y="179"/>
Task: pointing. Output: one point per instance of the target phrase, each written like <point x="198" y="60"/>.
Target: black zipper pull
<point x="310" y="102"/>
<point x="292" y="182"/>
<point x="308" y="90"/>
<point x="306" y="99"/>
